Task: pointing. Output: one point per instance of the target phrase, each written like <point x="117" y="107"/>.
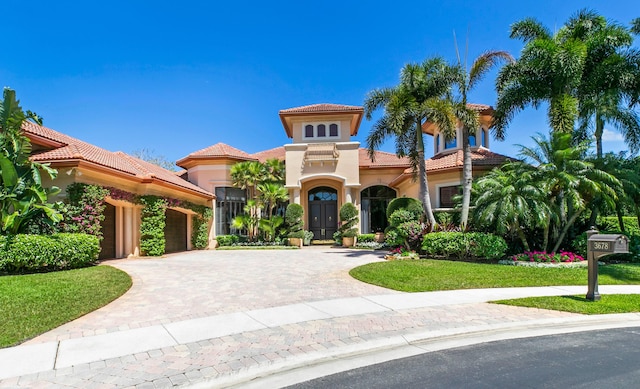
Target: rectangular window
<point x="230" y="203"/>
<point x="446" y="195"/>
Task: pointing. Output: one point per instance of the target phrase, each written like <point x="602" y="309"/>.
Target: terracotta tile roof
<point x="278" y="153"/>
<point x="322" y="108"/>
<point x="479" y="107"/>
<point x="220" y="150"/>
<point x="382" y="159"/>
<point x="75" y="149"/>
<point x="479" y="157"/>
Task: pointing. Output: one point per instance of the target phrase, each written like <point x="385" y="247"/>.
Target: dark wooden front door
<point x="108" y="227"/>
<point x="323" y="213"/>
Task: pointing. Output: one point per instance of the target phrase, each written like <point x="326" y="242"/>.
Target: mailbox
<point x="599" y="245"/>
<point x="604" y="244"/>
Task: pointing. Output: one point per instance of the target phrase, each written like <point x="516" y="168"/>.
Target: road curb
<point x="350" y="357"/>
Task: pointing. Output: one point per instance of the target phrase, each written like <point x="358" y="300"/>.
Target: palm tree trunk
<point x="620" y="219"/>
<point x="523" y="238"/>
<point x="545" y="242"/>
<point x="598" y="135"/>
<point x="565" y="229"/>
<point x="422" y="171"/>
<point x="467" y="178"/>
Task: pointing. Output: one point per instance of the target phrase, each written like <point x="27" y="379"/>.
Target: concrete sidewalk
<point x="237" y="347"/>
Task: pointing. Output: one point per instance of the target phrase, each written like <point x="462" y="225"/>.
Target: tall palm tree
<point x="272" y="193"/>
<point x="609" y="78"/>
<point x="421" y="96"/>
<point x="469" y="118"/>
<point x="549" y="70"/>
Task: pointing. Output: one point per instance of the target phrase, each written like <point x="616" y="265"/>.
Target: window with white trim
<point x="319" y="130"/>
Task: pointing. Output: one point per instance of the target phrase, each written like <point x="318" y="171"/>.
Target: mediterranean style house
<point x="325" y="169"/>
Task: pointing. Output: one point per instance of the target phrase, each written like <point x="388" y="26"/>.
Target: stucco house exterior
<point x="78" y="161"/>
<point x="325" y="168"/>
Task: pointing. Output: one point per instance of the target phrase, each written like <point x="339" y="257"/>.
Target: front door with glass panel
<point x="323" y="212"/>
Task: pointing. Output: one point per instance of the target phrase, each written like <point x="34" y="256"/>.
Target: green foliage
<point x="405" y="229"/>
<point x="301" y="234"/>
<point x="37" y="253"/>
<point x="22" y="196"/>
<point x="227" y="240"/>
<point x="200" y="233"/>
<point x="366" y="238"/>
<point x="348" y="218"/>
<point x="270" y="227"/>
<point x="402" y="216"/>
<point x="407" y="203"/>
<point x="610" y="223"/>
<point x="152" y="241"/>
<point x="308" y="236"/>
<point x="293" y="219"/>
<point x="579" y="245"/>
<point x="460" y="245"/>
<point x="84" y="212"/>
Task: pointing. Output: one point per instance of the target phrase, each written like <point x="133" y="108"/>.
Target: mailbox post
<point x="599" y="245"/>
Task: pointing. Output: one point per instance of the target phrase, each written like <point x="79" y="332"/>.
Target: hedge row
<point x="464" y="245"/>
<point x="37" y="253"/>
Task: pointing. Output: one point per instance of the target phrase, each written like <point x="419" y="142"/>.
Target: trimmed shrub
<point x="227" y="240"/>
<point x="152" y="241"/>
<point x="349" y="218"/>
<point x="408" y="203"/>
<point x="366" y="238"/>
<point x="38" y="253"/>
<point x="293" y="220"/>
<point x="459" y="245"/>
<point x="200" y="230"/>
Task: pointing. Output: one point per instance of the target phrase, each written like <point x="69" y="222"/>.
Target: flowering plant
<point x="544" y="257"/>
<point x="401" y="253"/>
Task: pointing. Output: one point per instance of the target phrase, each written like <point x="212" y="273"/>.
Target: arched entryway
<point x="323" y="212"/>
<point x="373" y="206"/>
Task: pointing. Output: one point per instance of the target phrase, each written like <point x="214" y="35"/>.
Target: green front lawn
<point x="35" y="303"/>
<point x="432" y="275"/>
<point x="611" y="303"/>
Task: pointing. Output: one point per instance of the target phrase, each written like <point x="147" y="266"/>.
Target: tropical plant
<point x="609" y="78"/>
<point x="22" y="196"/>
<point x="570" y="181"/>
<point x="422" y="95"/>
<point x="271" y="194"/>
<point x="549" y="70"/>
<point x="469" y="117"/>
<point x="510" y="200"/>
<point x="250" y="220"/>
<point x="270" y="227"/>
<point x="293" y="220"/>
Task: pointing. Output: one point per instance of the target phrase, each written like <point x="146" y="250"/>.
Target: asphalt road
<point x="595" y="359"/>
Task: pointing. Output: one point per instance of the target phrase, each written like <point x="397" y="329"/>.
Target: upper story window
<point x="319" y="130"/>
<point x="472" y="140"/>
<point x="451" y="144"/>
<point x="484" y="137"/>
<point x="437" y="142"/>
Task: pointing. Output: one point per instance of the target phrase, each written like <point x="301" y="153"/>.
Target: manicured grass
<point x="431" y="275"/>
<point x="611" y="303"/>
<point x="228" y="248"/>
<point x="35" y="303"/>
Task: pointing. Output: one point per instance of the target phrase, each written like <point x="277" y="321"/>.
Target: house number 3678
<point x="600" y="245"/>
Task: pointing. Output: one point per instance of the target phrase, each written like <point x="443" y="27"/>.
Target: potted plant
<point x="308" y="235"/>
<point x="348" y="218"/>
<point x="293" y="219"/>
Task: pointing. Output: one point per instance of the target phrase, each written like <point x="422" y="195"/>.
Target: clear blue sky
<point x="177" y="76"/>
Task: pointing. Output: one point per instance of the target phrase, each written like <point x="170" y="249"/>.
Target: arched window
<point x="308" y="131"/>
<point x="333" y="129"/>
<point x="472" y="140"/>
<point x="322" y="130"/>
<point x="451" y="144"/>
<point x="373" y="208"/>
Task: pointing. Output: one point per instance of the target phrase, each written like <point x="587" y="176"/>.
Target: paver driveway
<point x="206" y="283"/>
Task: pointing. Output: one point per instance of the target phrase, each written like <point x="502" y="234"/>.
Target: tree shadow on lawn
<point x="629" y="273"/>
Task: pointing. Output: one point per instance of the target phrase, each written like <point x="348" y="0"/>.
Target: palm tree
<point x="271" y="194"/>
<point x="570" y="180"/>
<point x="549" y="70"/>
<point x="274" y="170"/>
<point x="469" y="118"/>
<point x="608" y="80"/>
<point x="421" y="96"/>
<point x="511" y="201"/>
